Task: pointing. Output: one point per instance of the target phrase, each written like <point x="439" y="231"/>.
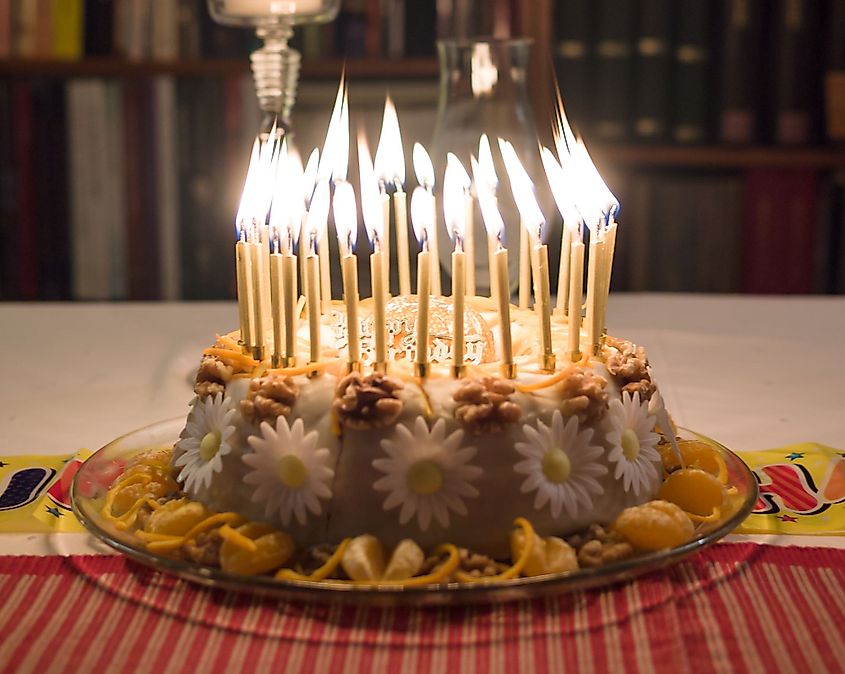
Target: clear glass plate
<point x="98" y="472"/>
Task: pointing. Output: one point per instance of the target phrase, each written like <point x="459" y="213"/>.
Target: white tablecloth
<point x="751" y="372"/>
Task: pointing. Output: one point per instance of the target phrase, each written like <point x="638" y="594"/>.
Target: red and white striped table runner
<point x="735" y="607"/>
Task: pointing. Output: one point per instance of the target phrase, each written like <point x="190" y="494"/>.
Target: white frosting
<point x="356" y="507"/>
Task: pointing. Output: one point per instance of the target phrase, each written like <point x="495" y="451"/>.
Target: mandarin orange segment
<point x="176" y="518"/>
<point x="272" y="551"/>
<point x="693" y="490"/>
<point x="654" y="525"/>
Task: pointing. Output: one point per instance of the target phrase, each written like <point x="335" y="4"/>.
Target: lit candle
<point x="345" y="221"/>
<point x="532" y="219"/>
<point x="425" y="177"/>
<point x="576" y="289"/>
<point x="277" y="292"/>
<point x="454" y="215"/>
<point x="332" y="167"/>
<point x="461" y="179"/>
<point x="290" y="298"/>
<point x="375" y="224"/>
<point x="524" y="266"/>
<point x="485" y="171"/>
<point x="421" y="219"/>
<point x="594" y="274"/>
<point x="496" y="227"/>
<point x="561" y="185"/>
<point x="316" y="216"/>
<point x="309" y="181"/>
<point x="243" y="254"/>
<point x="390" y="168"/>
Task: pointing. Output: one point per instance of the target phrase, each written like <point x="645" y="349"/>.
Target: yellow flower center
<point x="425" y="477"/>
<point x="292" y="471"/>
<point x="630" y="444"/>
<point x="209" y="445"/>
<point x="556" y="465"/>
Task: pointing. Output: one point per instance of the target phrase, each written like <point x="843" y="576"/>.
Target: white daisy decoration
<point x="561" y="465"/>
<point x="290" y="473"/>
<point x="427" y="473"/>
<point x="633" y="442"/>
<point x="657" y="408"/>
<point x="205" y="440"/>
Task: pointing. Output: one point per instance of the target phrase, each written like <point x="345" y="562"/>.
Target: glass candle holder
<point x="275" y="66"/>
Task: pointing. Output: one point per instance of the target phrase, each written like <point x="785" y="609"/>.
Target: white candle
<point x="469" y="243"/>
<point x="541" y="306"/>
<point x="379" y="295"/>
<point x="290" y="301"/>
<point x="345" y="218"/>
<point x="312" y="297"/>
<point x="562" y="306"/>
<point x="277" y="292"/>
<point x="576" y="288"/>
<point x="421" y="219"/>
<point x="508" y="367"/>
<point x="245" y="297"/>
<point x="594" y="272"/>
<point x="403" y="253"/>
<point x="524" y="267"/>
<point x="458" y="291"/>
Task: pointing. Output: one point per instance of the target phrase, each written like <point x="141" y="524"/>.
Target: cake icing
<point x="325" y="455"/>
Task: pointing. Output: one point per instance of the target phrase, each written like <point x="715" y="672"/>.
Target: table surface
<point x="751" y="372"/>
<point x="754" y="373"/>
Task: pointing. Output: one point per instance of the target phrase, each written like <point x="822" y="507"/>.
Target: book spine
<point x="351" y="30"/>
<point x="67" y="18"/>
<point x="572" y="58"/>
<point x="797" y="82"/>
<point x="80" y="167"/>
<point x="98" y="29"/>
<point x="43" y="28"/>
<point x="691" y="91"/>
<point x="420" y="26"/>
<point x="165" y="30"/>
<point x="24" y="20"/>
<point x="136" y="229"/>
<point x="8" y="203"/>
<point x="27" y="247"/>
<point x="764" y="242"/>
<point x="167" y="187"/>
<point x="5" y="28"/>
<point x="614" y="64"/>
<point x="374" y="28"/>
<point x="742" y="84"/>
<point x="114" y="217"/>
<point x="393" y="28"/>
<point x="653" y="68"/>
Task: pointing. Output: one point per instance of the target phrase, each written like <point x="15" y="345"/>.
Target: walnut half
<point x="212" y="376"/>
<point x="584" y="395"/>
<point x="367" y="402"/>
<point x="268" y="398"/>
<point x="629" y="364"/>
<point x="484" y="405"/>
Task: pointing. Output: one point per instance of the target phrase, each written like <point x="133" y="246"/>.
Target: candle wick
<point x="425" y="240"/>
<point x="349" y="242"/>
<point x="398" y="185"/>
<point x="376" y="242"/>
<point x="459" y="243"/>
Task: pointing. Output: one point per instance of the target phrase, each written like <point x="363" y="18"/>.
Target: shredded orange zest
<point x="228" y="342"/>
<point x="235" y="357"/>
<point x="512" y="571"/>
<point x="263" y="366"/>
<point x="545" y="383"/>
<point x="305" y="369"/>
<point x="209" y="522"/>
<point x="323" y="572"/>
<point x="429" y="410"/>
<point x="235" y="537"/>
<point x="446" y="569"/>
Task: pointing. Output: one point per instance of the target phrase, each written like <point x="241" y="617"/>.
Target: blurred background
<point x="125" y="129"/>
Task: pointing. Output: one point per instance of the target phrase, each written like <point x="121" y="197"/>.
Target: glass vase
<point x="484" y="90"/>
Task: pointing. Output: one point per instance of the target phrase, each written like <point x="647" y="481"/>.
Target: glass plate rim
<point x="457" y="593"/>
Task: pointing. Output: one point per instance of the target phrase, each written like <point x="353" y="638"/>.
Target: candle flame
<point x="423" y="167"/>
<point x="608" y="203"/>
<point x="335" y="154"/>
<point x="487" y="201"/>
<point x="561" y="186"/>
<point x="390" y="159"/>
<point x="523" y="190"/>
<point x="421" y="215"/>
<point x="487" y="170"/>
<point x="318" y="214"/>
<point x="288" y="204"/>
<point x="244" y="208"/>
<point x="564" y="137"/>
<point x="310" y="175"/>
<point x="456" y="182"/>
<point x="370" y="198"/>
<point x="345" y="216"/>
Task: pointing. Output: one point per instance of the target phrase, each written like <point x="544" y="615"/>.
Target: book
<point x="26" y="246"/>
<point x="166" y="173"/>
<point x="692" y="83"/>
<point x="797" y="83"/>
<point x="613" y="70"/>
<point x="8" y="201"/>
<point x="50" y="216"/>
<point x="24" y="27"/>
<point x="420" y="28"/>
<point x="741" y="70"/>
<point x="393" y="28"/>
<point x="164" y="43"/>
<point x="653" y="70"/>
<point x="68" y="20"/>
<point x="5" y="28"/>
<point x="780" y="230"/>
<point x="98" y="29"/>
<point x="572" y="36"/>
